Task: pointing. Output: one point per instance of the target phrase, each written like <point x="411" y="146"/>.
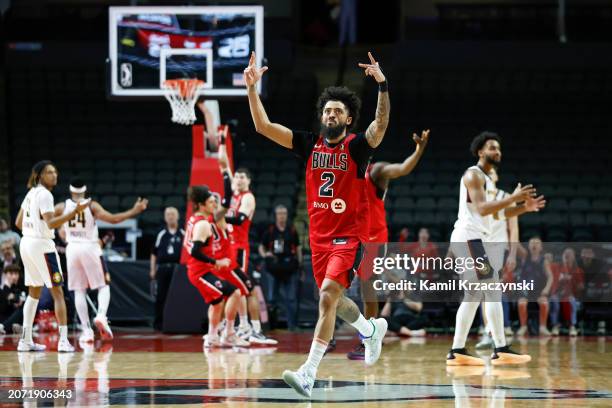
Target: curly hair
<point x="479" y="141"/>
<point x="344" y="95"/>
<point x="198" y="194"/>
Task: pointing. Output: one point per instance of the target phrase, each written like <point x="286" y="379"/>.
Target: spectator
<point x="404" y="316"/>
<point x="12" y="297"/>
<point x="535" y="267"/>
<point x="8" y="256"/>
<point x="568" y="282"/>
<point x="280" y="248"/>
<point x="7" y="233"/>
<point x="423" y="248"/>
<point x="596" y="279"/>
<point x="165" y="256"/>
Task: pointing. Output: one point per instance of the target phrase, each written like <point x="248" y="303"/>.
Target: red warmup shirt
<point x="335" y="187"/>
<point x="378" y="231"/>
<point x="194" y="265"/>
<point x="240" y="233"/>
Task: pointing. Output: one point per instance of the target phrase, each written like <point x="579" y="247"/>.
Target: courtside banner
<point x="487" y="271"/>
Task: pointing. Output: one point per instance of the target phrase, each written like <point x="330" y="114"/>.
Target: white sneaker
<point x="101" y="323"/>
<point x="221" y="327"/>
<point x="555" y="330"/>
<point x="30" y="346"/>
<point x="233" y="341"/>
<point x="508" y="331"/>
<point x="244" y="332"/>
<point x="211" y="341"/>
<point x="544" y="331"/>
<point x="373" y="344"/>
<point x="486" y="341"/>
<point x="573" y="332"/>
<point x="259" y="338"/>
<point x="301" y="381"/>
<point x="87" y="336"/>
<point x="2" y="331"/>
<point x="64" y="346"/>
<point x="522" y="331"/>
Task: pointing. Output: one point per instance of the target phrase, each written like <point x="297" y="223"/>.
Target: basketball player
<point x="335" y="189"/>
<point x="240" y="216"/>
<point x="477" y="205"/>
<point x="504" y="232"/>
<point x="86" y="266"/>
<point x="36" y="220"/>
<point x="378" y="176"/>
<point x="220" y="295"/>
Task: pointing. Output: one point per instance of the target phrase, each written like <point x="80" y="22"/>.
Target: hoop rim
<point x="184" y="87"/>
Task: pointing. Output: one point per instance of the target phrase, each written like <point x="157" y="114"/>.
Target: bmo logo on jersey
<point x="338" y="206"/>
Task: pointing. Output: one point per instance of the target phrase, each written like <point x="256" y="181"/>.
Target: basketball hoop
<point x="182" y="95"/>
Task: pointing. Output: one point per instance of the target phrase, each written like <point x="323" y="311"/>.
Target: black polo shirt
<point x="281" y="243"/>
<point x="168" y="246"/>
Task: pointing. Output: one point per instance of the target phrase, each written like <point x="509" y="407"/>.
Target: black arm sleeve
<point x="303" y="143"/>
<point x="227" y="190"/>
<point x="197" y="253"/>
<point x="237" y="220"/>
<point x="361" y="151"/>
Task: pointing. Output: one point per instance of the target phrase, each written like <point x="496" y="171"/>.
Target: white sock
<point x="229" y="327"/>
<point x="256" y="326"/>
<point x="317" y="351"/>
<point x="464" y="320"/>
<point x="103" y="300"/>
<point x="212" y="329"/>
<point x="363" y="326"/>
<point x="495" y="314"/>
<point x="63" y="332"/>
<point x="243" y="321"/>
<point x="29" y="312"/>
<point x="80" y="303"/>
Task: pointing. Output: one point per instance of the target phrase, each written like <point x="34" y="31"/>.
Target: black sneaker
<point x="460" y="357"/>
<point x="358" y="353"/>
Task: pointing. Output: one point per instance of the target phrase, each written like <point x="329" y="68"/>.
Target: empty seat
<point x="579" y="204"/>
<point x="425" y="203"/>
<point x="402" y="218"/>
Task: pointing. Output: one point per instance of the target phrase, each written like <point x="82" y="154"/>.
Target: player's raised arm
<point x="474" y="182"/>
<point x="376" y="130"/>
<point x="227" y="183"/>
<point x="101" y="214"/>
<point x="54" y="221"/>
<point x="395" y="170"/>
<point x="273" y="131"/>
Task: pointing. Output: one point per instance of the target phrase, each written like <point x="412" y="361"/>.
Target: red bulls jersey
<point x="335" y="187"/>
<point x="378" y="217"/>
<point x="240" y="233"/>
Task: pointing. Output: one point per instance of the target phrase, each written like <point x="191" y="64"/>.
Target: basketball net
<point x="182" y="95"/>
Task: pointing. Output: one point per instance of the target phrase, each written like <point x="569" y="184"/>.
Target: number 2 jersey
<point x="83" y="227"/>
<point x="335" y="187"/>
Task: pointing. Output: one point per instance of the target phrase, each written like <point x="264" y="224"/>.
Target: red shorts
<point x="237" y="278"/>
<point x="212" y="288"/>
<point x="371" y="251"/>
<point x="242" y="257"/>
<point x="338" y="262"/>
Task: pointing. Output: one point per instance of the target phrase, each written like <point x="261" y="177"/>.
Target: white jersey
<point x="467" y="217"/>
<point x="83" y="227"/>
<point x="37" y="202"/>
<point x="499" y="227"/>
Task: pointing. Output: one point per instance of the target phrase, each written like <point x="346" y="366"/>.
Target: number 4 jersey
<point x="335" y="187"/>
<point x="83" y="227"/>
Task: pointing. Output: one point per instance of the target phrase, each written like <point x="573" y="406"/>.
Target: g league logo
<point x="126" y="75"/>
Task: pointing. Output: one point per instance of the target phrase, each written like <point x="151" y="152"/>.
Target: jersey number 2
<point x="326" y="189"/>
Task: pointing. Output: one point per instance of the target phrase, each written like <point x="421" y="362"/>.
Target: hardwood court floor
<point x="151" y="369"/>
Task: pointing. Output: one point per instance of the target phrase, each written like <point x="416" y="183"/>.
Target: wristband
<point x="383" y="86"/>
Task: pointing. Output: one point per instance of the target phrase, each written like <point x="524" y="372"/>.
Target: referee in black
<point x="165" y="256"/>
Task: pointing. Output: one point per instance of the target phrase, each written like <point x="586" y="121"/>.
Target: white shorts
<point x="41" y="262"/>
<point x="462" y="246"/>
<point x="86" y="267"/>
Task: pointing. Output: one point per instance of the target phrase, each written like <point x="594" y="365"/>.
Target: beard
<point x="332" y="132"/>
<point x="493" y="162"/>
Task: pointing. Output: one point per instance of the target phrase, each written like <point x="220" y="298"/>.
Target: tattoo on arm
<point x="376" y="130"/>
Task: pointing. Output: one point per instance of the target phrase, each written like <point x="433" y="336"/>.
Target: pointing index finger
<point x="372" y="60"/>
<point x="252" y="59"/>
